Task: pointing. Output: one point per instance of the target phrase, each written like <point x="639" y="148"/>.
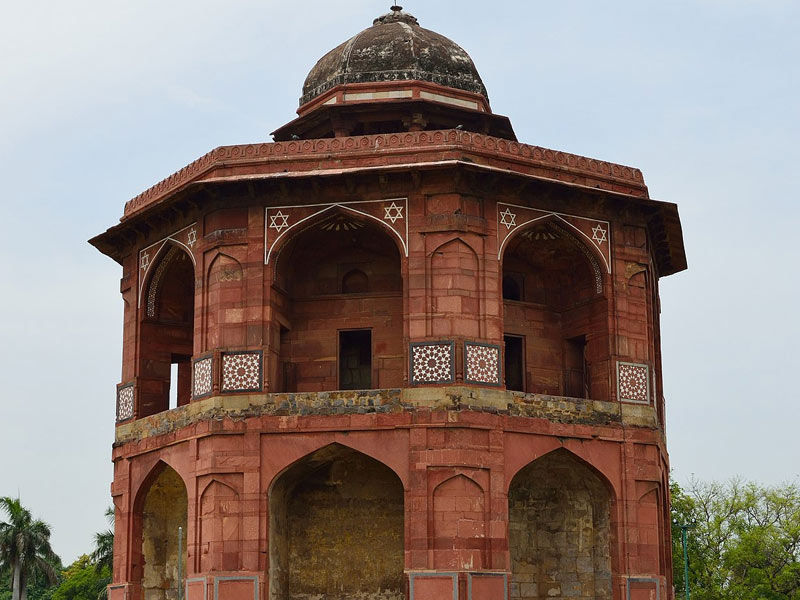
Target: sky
<point x="100" y="99"/>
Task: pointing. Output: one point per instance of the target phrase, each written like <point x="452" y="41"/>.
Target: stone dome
<point x="394" y="48"/>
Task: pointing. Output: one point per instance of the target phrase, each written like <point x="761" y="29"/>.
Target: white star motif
<point x="274" y="223"/>
<point x="599" y="234"/>
<point x="508" y="218"/>
<point x="144" y="261"/>
<point x="393" y="212"/>
<point x="192" y="237"/>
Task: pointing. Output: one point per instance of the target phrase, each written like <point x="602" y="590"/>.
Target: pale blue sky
<point x="101" y="99"/>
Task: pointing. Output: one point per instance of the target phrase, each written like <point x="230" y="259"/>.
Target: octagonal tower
<point x="392" y="354"/>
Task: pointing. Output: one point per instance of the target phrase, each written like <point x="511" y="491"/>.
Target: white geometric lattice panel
<point x="125" y="402"/>
<point x="633" y="382"/>
<point x="482" y="363"/>
<point x="201" y="377"/>
<point x="241" y="372"/>
<point x="432" y="362"/>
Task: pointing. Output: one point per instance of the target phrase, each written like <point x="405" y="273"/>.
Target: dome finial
<point x="396" y="8"/>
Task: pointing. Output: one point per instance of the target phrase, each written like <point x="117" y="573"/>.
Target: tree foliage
<point x="745" y="544"/>
<point x="83" y="581"/>
<point x="25" y="550"/>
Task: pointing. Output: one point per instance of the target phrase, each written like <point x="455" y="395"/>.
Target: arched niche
<point x="160" y="512"/>
<point x="337" y="307"/>
<point x="459" y="525"/>
<point x="336" y="528"/>
<point x="555" y="314"/>
<point x="224" y="304"/>
<point x="560" y="530"/>
<point x="166" y="332"/>
<point x="455" y="290"/>
<point x="220" y="528"/>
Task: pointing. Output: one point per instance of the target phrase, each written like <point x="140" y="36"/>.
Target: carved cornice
<point x="604" y="175"/>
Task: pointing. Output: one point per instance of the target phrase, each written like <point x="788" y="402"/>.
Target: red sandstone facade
<point x="410" y="357"/>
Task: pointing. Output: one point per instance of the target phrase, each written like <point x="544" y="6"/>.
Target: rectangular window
<point x="355" y="359"/>
<point x="515" y="362"/>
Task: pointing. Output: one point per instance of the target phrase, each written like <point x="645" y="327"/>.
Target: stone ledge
<point x="557" y="409"/>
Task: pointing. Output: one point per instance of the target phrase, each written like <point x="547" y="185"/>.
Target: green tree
<point x="746" y="543"/>
<point x="103" y="554"/>
<point x="24" y="548"/>
<point x="82" y="581"/>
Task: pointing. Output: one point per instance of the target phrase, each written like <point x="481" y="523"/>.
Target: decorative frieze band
<point x="391" y="213"/>
<point x="482" y="364"/>
<point x="125" y="401"/>
<point x="633" y="382"/>
<point x="432" y="362"/>
<point x="242" y="371"/>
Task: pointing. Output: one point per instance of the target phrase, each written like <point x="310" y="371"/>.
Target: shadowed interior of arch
<point x="341" y="274"/>
<point x="166" y="333"/>
<point x="559" y="530"/>
<point x="336" y="529"/>
<point x="162" y="509"/>
<point x="555" y="322"/>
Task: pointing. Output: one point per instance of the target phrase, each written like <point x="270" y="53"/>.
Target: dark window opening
<point x="512" y="287"/>
<point x="576" y="380"/>
<point x="180" y="381"/>
<point x="514" y="363"/>
<point x="355" y="282"/>
<point x="355" y="360"/>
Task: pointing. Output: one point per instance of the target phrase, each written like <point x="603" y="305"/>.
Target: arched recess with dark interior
<point x="560" y="530"/>
<point x="166" y="334"/>
<point x="555" y="314"/>
<point x="337" y="307"/>
<point x="336" y="528"/>
<point x="160" y="508"/>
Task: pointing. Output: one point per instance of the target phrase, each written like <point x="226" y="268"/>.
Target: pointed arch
<point x="459" y="524"/>
<point x="559" y="221"/>
<point x="325" y="212"/>
<point x="560" y="527"/>
<point x="339" y="507"/>
<point x="168" y="250"/>
<point x="160" y="512"/>
<point x="454" y="281"/>
<point x="224" y="303"/>
<point x="313" y="315"/>
<point x="220" y="527"/>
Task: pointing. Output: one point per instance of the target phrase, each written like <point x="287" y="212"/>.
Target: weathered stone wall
<point x="165" y="509"/>
<point x="559" y="525"/>
<point x="342" y="532"/>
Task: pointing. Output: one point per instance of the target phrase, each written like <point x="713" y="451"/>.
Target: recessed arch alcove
<point x="336" y="528"/>
<point x="166" y="332"/>
<point x="559" y="530"/>
<point x="555" y="314"/>
<point x="339" y="275"/>
<point x="160" y="512"/>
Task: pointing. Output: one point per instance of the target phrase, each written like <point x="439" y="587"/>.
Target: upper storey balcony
<point x="390" y="281"/>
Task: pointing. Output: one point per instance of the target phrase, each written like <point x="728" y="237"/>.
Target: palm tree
<point x="103" y="554"/>
<point x="24" y="547"/>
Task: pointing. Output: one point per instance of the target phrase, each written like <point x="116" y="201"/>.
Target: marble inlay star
<point x="393" y="212"/>
<point x="274" y="222"/>
<point x="508" y="218"/>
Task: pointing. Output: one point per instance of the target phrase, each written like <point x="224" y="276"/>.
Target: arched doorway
<point x="166" y="335"/>
<point x="555" y="315"/>
<point x="336" y="529"/>
<point x="559" y="528"/>
<point x="160" y="510"/>
<point x="337" y="301"/>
